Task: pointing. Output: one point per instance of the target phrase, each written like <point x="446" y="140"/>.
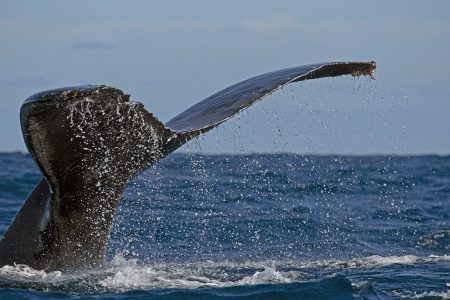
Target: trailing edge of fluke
<point x="89" y="141"/>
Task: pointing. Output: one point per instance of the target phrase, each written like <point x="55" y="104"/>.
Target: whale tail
<point x="89" y="141"/>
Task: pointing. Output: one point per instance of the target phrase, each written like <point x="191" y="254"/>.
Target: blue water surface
<point x="275" y="226"/>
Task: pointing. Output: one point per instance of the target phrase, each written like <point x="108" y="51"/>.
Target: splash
<point x="377" y="261"/>
<point x="424" y="295"/>
<point x="20" y="272"/>
<point x="126" y="275"/>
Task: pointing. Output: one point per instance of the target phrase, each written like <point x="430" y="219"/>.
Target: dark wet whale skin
<point x="89" y="141"/>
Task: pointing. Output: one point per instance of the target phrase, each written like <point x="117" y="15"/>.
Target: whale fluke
<point x="89" y="141"/>
<point x="223" y="105"/>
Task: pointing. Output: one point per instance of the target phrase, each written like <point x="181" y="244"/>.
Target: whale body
<point x="89" y="141"/>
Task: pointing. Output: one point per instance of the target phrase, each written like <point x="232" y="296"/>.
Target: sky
<point x="171" y="54"/>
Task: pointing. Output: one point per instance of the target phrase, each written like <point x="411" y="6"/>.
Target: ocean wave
<point x="375" y="261"/>
<point x="20" y="272"/>
<point x="124" y="275"/>
<point x="127" y="274"/>
<point x="423" y="295"/>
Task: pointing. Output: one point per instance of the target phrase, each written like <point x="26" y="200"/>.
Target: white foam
<point x="443" y="295"/>
<point x="268" y="275"/>
<point x="426" y="294"/>
<point x="150" y="278"/>
<point x="21" y="272"/>
<point x="176" y="277"/>
<point x="376" y="261"/>
<point x="127" y="274"/>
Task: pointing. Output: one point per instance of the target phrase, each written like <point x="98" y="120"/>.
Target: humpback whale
<point x="90" y="140"/>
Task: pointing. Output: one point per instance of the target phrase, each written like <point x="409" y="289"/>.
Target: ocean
<point x="259" y="226"/>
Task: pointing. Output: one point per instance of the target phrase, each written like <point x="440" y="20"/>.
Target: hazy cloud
<point x="93" y="46"/>
<point x="184" y="26"/>
<point x="270" y="24"/>
<point x="18" y="82"/>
